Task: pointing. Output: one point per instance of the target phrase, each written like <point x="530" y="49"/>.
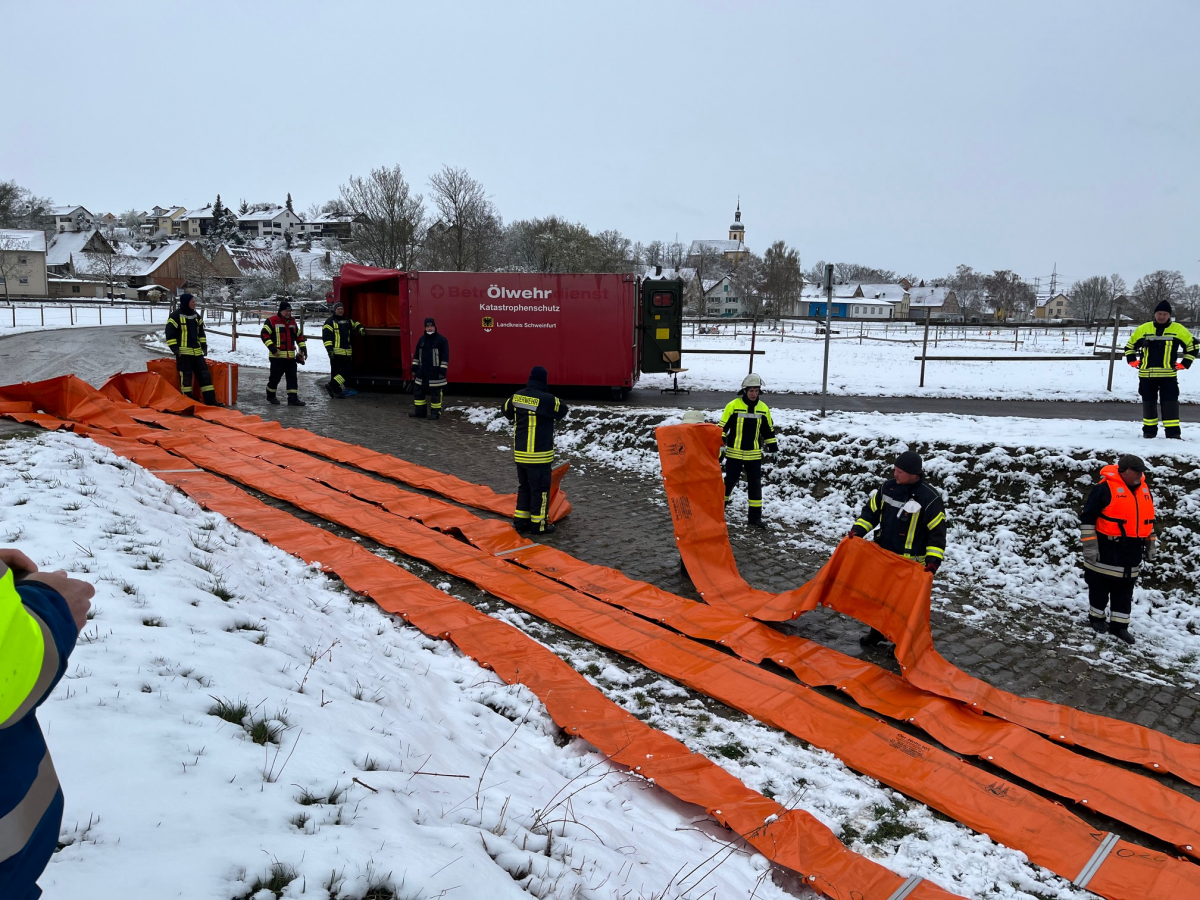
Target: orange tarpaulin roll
<point x="138" y="387"/>
<point x="224" y="378"/>
<point x="1126" y="796"/>
<point x="1003" y="810"/>
<point x="791" y="838"/>
<point x="884" y="591"/>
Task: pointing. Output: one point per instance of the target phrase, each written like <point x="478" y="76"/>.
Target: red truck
<point x="586" y="330"/>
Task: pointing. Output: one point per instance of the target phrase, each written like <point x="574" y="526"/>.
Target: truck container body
<point x="586" y="330"/>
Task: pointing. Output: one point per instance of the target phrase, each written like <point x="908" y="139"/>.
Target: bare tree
<point x="1190" y="305"/>
<point x="109" y="266"/>
<point x="1152" y="289"/>
<point x="1091" y="298"/>
<point x="673" y="255"/>
<point x="781" y="280"/>
<point x="653" y="254"/>
<point x="199" y="275"/>
<point x="468" y="232"/>
<point x="553" y="244"/>
<point x="853" y="273"/>
<point x="21" y="208"/>
<point x="11" y="256"/>
<point x="1010" y="295"/>
<point x="389" y="219"/>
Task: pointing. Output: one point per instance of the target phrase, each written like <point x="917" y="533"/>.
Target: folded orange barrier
<point x="1125" y="796"/>
<point x="224" y="378"/>
<point x="1048" y="834"/>
<point x="138" y="385"/>
<point x="884" y="591"/>
<point x="789" y="837"/>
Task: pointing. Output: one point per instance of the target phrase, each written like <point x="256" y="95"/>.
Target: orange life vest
<point x="1130" y="513"/>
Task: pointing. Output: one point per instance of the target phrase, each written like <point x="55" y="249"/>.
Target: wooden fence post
<point x="924" y="346"/>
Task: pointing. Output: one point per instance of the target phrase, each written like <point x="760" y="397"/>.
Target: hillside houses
<point x="23" y="263"/>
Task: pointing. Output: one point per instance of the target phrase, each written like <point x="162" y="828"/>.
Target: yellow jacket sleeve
<point x="22" y="651"/>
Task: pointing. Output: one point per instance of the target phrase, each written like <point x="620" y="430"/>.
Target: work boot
<point x="521" y="526"/>
<point x="331" y="389"/>
<point x="418" y="413"/>
<point x="1148" y="434"/>
<point x="873" y="638"/>
<point x="757" y="523"/>
<point x="1098" y="624"/>
<point x="1121" y="632"/>
<point x="293" y="400"/>
<point x="1176" y="436"/>
<point x="272" y="399"/>
<point x="435" y="414"/>
<point x="546" y="528"/>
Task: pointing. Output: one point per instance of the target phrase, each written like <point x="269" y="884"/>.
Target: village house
<point x="1056" y="307"/>
<point x="197" y="222"/>
<point x="67" y="253"/>
<point x="67" y="218"/>
<point x="274" y="222"/>
<point x="173" y="265"/>
<point x="940" y="302"/>
<point x="733" y="252"/>
<point x="23" y="263"/>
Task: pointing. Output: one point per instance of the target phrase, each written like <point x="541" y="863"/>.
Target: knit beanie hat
<point x="429" y="321"/>
<point x="1129" y="461"/>
<point x="283" y="304"/>
<point x="1163" y="306"/>
<point x="539" y="375"/>
<point x="909" y="462"/>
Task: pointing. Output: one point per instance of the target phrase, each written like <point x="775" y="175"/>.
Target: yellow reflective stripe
<point x="543" y="456"/>
<point x="937" y="520"/>
<point x="912" y="532"/>
<point x="17" y="826"/>
<point x="935" y="552"/>
<point x="530" y="431"/>
<point x="863" y="523"/>
<point x="874" y="501"/>
<point x="26" y="649"/>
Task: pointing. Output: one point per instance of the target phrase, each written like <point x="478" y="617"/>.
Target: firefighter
<point x="286" y="346"/>
<point x="911" y="520"/>
<point x="430" y="358"/>
<point x="339" y="334"/>
<point x="1158" y="350"/>
<point x="1116" y="531"/>
<point x="533" y="410"/>
<point x="41" y="615"/>
<point x="185" y="337"/>
<point x="748" y="433"/>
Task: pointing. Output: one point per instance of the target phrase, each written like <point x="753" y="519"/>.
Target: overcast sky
<point x="912" y="136"/>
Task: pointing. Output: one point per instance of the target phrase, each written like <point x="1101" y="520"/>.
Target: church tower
<point x="737" y="231"/>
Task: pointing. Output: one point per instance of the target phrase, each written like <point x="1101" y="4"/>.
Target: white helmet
<point x="752" y="380"/>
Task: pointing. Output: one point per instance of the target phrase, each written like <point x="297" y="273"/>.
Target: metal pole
<point x="828" y="316"/>
<point x="925" y="346"/>
<point x="1112" y="353"/>
<point x="753" y="335"/>
<point x="233" y="327"/>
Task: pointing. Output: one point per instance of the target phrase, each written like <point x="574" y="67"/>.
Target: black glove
<point x="932" y="565"/>
<point x="771" y="448"/>
<point x="1150" y="551"/>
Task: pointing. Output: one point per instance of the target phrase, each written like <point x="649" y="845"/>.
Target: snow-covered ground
<point x="1013" y="490"/>
<point x="236" y="724"/>
<point x="17" y="319"/>
<point x="883" y="364"/>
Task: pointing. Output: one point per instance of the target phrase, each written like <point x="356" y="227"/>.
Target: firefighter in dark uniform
<point x="533" y="410"/>
<point x="286" y="346"/>
<point x="1116" y="530"/>
<point x="1158" y="350"/>
<point x="339" y="334"/>
<point x="40" y="618"/>
<point x="430" y="358"/>
<point x="748" y="433"/>
<point x="911" y="520"/>
<point x="185" y="337"/>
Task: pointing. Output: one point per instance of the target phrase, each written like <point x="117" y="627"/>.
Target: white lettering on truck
<point x="495" y="292"/>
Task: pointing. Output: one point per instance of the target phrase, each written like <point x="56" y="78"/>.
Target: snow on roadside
<point x="1013" y="489"/>
<point x="20" y="319"/>
<point x="333" y="779"/>
<point x="886" y="367"/>
<point x="331" y="769"/>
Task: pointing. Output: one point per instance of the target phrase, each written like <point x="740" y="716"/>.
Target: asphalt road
<point x="95" y="354"/>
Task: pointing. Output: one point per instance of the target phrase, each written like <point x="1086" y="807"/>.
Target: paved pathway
<point x="620" y="520"/>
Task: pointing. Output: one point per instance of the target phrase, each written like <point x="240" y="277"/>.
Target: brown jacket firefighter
<point x="1116" y="530"/>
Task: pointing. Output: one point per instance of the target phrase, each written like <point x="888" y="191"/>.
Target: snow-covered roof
<point x="153" y="287"/>
<point x="61" y="211"/>
<point x="891" y="292"/>
<point x="668" y="274"/>
<point x="20" y="239"/>
<point x="202" y="213"/>
<point x="62" y="246"/>
<point x="699" y="247"/>
<point x="927" y="296"/>
<point x="1045" y="299"/>
<point x="160" y="255"/>
<point x="814" y="291"/>
<point x="330" y="220"/>
<point x="266" y="215"/>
